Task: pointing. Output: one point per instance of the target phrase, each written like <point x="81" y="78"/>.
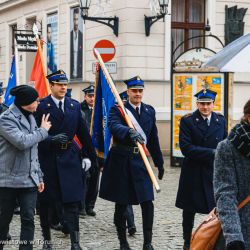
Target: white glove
<point x="86" y="164"/>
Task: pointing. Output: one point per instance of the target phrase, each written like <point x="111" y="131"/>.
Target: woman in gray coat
<point x="232" y="185"/>
<point x="20" y="174"/>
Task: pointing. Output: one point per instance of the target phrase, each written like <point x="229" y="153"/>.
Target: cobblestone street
<point x="98" y="233"/>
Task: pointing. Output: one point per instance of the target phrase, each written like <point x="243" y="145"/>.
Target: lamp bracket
<point x="112" y="22"/>
<point x="150" y="20"/>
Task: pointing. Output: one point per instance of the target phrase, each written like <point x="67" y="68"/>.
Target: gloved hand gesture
<point x="135" y="136"/>
<point x="60" y="139"/>
<point x="86" y="164"/>
<point x="160" y="172"/>
<point x="236" y="245"/>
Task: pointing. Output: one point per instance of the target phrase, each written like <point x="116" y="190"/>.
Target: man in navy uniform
<point x="91" y="177"/>
<point x="125" y="179"/>
<point x="88" y="104"/>
<point x="60" y="157"/>
<point x="200" y="132"/>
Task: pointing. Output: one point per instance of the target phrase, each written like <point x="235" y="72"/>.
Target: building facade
<point x="136" y="54"/>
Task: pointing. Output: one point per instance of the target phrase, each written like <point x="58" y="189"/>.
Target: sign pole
<point x="128" y="121"/>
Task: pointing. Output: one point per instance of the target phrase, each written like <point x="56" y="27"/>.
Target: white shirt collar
<point x="56" y="101"/>
<point x="208" y="117"/>
<point x="139" y="106"/>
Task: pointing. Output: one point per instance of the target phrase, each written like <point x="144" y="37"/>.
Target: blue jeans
<point x="130" y="216"/>
<point x="27" y="200"/>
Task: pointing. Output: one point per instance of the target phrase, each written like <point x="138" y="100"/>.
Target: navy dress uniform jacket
<point x="198" y="143"/>
<point x="62" y="168"/>
<point x="125" y="179"/>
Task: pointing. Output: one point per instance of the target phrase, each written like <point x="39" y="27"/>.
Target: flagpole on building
<point x="128" y="121"/>
<point x="39" y="49"/>
<point x="16" y="63"/>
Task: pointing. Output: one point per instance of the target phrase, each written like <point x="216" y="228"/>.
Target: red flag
<point x="38" y="75"/>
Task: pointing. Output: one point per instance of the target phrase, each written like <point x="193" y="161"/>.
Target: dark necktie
<point x="137" y="111"/>
<point x="206" y="121"/>
<point x="60" y="106"/>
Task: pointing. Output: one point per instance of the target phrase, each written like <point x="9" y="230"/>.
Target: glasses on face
<point x="137" y="90"/>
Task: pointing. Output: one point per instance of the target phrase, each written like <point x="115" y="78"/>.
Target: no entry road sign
<point x="106" y="50"/>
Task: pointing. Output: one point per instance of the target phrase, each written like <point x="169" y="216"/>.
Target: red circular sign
<point x="106" y="50"/>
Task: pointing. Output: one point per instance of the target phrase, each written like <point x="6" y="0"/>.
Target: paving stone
<point x="98" y="233"/>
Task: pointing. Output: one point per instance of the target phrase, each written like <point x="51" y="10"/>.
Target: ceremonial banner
<point x="9" y="99"/>
<point x="39" y="77"/>
<point x="104" y="100"/>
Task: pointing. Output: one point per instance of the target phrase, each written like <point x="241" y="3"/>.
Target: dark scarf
<point x="240" y="138"/>
<point x="24" y="112"/>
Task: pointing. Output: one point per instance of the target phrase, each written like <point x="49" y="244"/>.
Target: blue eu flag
<point x="8" y="99"/>
<point x="104" y="100"/>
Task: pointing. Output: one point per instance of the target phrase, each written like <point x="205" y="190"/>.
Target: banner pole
<point x="128" y="121"/>
<point x="92" y="117"/>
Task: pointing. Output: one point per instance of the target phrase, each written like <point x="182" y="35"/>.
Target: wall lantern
<point x="150" y="20"/>
<point x="112" y="22"/>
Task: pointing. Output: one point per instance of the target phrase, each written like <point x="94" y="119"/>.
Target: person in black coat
<point x="60" y="157"/>
<point x="125" y="179"/>
<point x="200" y="133"/>
<point x="91" y="178"/>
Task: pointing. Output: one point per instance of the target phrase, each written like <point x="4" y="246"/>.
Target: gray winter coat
<point x="231" y="186"/>
<point x="19" y="166"/>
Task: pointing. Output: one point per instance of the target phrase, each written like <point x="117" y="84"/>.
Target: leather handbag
<point x="207" y="233"/>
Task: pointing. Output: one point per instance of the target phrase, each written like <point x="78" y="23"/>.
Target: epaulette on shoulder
<point x="73" y="100"/>
<point x="220" y="114"/>
<point x="187" y="115"/>
<point x="149" y="107"/>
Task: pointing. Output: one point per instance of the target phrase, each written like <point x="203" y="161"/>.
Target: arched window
<point x="188" y="19"/>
